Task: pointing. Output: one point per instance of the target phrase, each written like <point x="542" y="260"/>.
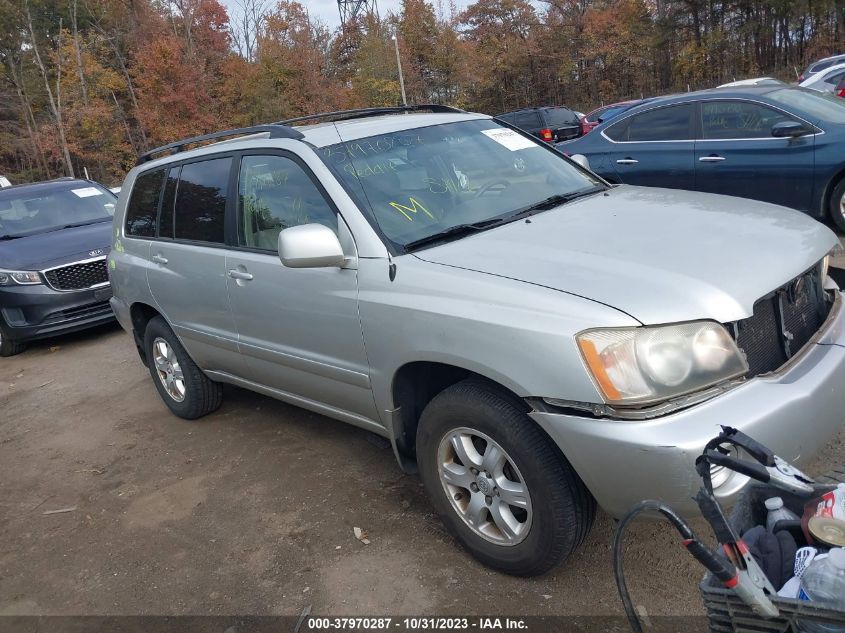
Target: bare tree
<point x="55" y="103"/>
<point x="245" y="27"/>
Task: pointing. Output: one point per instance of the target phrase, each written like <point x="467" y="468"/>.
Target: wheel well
<point x="141" y="314"/>
<point x="414" y="386"/>
<point x="831" y="185"/>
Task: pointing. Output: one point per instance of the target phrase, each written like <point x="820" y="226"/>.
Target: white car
<point x="4" y="182"/>
<point x="756" y="81"/>
<point x="827" y="80"/>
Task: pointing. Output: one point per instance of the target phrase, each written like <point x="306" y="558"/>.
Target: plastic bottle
<point x="778" y="513"/>
<point x="823" y="583"/>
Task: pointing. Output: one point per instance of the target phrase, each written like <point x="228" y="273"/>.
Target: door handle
<point x="158" y="259"/>
<point x="240" y="275"/>
<point x="627" y="161"/>
<point x="711" y="159"/>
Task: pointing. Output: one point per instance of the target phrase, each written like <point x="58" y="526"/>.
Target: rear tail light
<point x="841" y="93"/>
<point x="546" y="135"/>
<point x="800" y="78"/>
<point x="585" y="127"/>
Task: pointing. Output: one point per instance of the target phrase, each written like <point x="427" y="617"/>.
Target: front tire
<point x="500" y="486"/>
<point x="183" y="386"/>
<point x="837" y="205"/>
<point x="9" y="347"/>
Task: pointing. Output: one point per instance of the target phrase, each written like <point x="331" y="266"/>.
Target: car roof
<point x="826" y="59"/>
<point x="731" y="92"/>
<point x="831" y="69"/>
<point x="330" y="132"/>
<point x="535" y="108"/>
<point x="43" y="186"/>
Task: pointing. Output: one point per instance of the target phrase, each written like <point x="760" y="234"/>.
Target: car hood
<point x="45" y="250"/>
<point x="659" y="255"/>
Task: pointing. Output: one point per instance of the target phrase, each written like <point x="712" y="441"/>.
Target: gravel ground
<point x="251" y="510"/>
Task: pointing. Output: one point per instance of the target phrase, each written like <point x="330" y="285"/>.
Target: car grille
<point x="782" y="323"/>
<point x="90" y="310"/>
<point x="78" y="276"/>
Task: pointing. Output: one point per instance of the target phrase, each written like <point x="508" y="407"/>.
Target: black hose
<point x="618" y="569"/>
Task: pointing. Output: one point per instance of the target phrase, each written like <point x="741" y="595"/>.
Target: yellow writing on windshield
<point x="405" y="210"/>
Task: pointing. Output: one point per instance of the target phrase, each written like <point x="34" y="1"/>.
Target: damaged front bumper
<point x="794" y="412"/>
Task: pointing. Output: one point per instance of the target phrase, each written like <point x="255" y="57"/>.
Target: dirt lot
<point x="249" y="511"/>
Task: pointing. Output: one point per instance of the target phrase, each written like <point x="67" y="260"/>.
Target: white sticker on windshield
<point x="509" y="139"/>
<point x="87" y="192"/>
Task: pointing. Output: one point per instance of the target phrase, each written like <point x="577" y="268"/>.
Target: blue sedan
<point x="778" y="144"/>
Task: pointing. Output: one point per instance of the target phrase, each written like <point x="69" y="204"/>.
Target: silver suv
<point x="534" y="341"/>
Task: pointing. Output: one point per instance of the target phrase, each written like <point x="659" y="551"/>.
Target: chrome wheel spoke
<point x="465" y="450"/>
<point x="457" y="475"/>
<point x="476" y="510"/>
<point x="512" y="493"/>
<point x="494" y="459"/>
<point x="504" y="519"/>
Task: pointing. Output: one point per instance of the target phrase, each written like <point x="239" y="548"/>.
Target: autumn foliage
<point x="86" y="85"/>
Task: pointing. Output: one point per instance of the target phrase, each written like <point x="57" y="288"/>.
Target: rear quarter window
<point x="142" y="209"/>
<point x="201" y="200"/>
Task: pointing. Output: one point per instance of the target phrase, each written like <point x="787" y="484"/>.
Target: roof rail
<point x="276" y="130"/>
<point x="343" y="115"/>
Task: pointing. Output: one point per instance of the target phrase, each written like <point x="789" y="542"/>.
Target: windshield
<point x="817" y="106"/>
<point x="424" y="181"/>
<point x="28" y="211"/>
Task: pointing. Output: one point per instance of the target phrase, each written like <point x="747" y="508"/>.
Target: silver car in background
<point x="531" y="340"/>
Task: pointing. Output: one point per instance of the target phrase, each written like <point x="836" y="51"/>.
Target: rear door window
<point x="672" y="123"/>
<point x="527" y="120"/>
<point x="142" y="209"/>
<point x="200" y="208"/>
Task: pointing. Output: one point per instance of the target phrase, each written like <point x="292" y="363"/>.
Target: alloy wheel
<point x="484" y="486"/>
<point x="168" y="369"/>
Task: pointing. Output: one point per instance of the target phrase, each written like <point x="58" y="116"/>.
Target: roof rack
<point x="276" y="130"/>
<point x="343" y="115"/>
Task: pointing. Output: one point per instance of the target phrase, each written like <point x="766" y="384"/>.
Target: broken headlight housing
<point x="19" y="278"/>
<point x="646" y="365"/>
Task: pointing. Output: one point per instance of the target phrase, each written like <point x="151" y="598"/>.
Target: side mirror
<point x="786" y="129"/>
<point x="581" y="160"/>
<point x="310" y="246"/>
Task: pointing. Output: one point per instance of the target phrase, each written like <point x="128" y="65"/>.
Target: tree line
<point x="87" y="85"/>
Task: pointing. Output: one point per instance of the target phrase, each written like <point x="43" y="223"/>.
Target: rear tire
<point x="543" y="524"/>
<point x="183" y="386"/>
<point x="837" y="205"/>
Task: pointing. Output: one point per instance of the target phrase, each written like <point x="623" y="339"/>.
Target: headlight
<point x="19" y="277"/>
<point x="836" y="250"/>
<point x="649" y="364"/>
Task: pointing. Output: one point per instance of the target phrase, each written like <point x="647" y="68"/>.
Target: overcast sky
<point x="326" y="10"/>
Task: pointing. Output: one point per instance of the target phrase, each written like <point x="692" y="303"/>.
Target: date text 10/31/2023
<point x="421" y="623"/>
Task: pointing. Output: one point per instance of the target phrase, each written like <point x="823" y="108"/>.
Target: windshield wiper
<point x="9" y="237"/>
<point x="459" y="230"/>
<point x="550" y="203"/>
<point x="86" y="223"/>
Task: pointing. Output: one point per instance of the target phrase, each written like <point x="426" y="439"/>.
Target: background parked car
<point x="756" y="81"/>
<point x="550" y="124"/>
<point x="827" y="80"/>
<point x="53" y="278"/>
<point x="820" y="65"/>
<point x="605" y="113"/>
<point x="772" y="143"/>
